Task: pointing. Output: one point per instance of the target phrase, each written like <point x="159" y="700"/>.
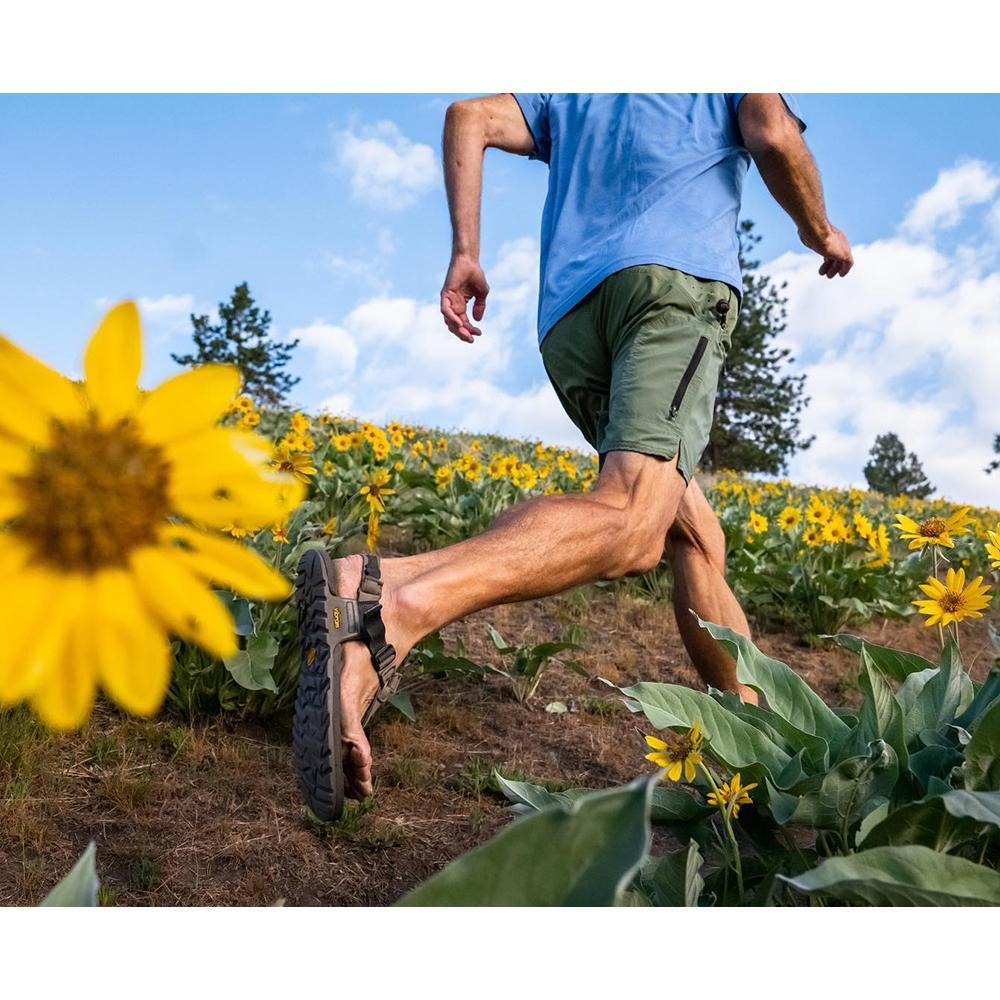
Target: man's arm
<point x="470" y="128"/>
<point x="774" y="141"/>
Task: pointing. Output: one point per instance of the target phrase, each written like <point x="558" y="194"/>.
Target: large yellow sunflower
<point x="993" y="548"/>
<point x="935" y="530"/>
<point x="953" y="601"/>
<point x="112" y="500"/>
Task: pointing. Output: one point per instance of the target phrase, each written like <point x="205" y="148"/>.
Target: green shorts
<point x="636" y="363"/>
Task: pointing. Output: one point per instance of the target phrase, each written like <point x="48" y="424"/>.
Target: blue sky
<point x="332" y="208"/>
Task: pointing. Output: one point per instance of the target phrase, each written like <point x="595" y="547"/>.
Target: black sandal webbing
<point x="373" y="632"/>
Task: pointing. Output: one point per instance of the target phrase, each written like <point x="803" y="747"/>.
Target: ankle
<point x="405" y="611"/>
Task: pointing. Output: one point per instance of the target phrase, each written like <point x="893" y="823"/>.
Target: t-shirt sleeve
<point x="535" y="108"/>
<point x="790" y="103"/>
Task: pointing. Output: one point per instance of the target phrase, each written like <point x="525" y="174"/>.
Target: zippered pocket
<point x="689" y="372"/>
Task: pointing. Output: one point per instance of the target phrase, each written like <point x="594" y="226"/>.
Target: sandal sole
<point x="316" y="746"/>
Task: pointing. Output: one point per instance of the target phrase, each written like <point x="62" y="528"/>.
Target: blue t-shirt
<point x="636" y="179"/>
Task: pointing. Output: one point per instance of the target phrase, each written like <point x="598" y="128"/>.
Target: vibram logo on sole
<point x="311" y="656"/>
<point x="336" y="617"/>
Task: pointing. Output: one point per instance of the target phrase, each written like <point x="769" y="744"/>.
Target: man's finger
<point x="479" y="307"/>
<point x="456" y="323"/>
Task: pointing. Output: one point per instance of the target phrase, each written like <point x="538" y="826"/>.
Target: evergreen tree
<point x="756" y="423"/>
<point x="995" y="464"/>
<point x="891" y="470"/>
<point x="242" y="338"/>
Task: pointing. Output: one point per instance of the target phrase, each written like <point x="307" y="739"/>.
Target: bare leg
<point x="542" y="546"/>
<point x="696" y="548"/>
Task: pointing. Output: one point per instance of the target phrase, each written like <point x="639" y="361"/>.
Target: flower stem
<point x="730" y="834"/>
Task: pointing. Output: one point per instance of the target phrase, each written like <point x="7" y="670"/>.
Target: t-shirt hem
<point x="587" y="285"/>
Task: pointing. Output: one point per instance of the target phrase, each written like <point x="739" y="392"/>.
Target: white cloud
<point x="410" y="367"/>
<point x="908" y="342"/>
<point x="163" y="317"/>
<point x="385" y="167"/>
<point x="956" y="189"/>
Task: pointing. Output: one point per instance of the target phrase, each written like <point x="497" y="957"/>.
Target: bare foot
<point x="359" y="683"/>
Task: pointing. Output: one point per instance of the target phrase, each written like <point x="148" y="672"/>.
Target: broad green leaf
<point x="731" y="741"/>
<point x="982" y="755"/>
<point x="988" y="692"/>
<point x="902" y="876"/>
<point x="894" y="663"/>
<point x="251" y="667"/>
<point x="667" y="805"/>
<point x="787" y="694"/>
<point x="933" y="764"/>
<point x="815" y="749"/>
<point x="584" y="854"/>
<point x="942" y="822"/>
<point x="239" y="608"/>
<point x="840" y="798"/>
<point x="881" y="716"/>
<point x="674" y="880"/>
<point x="79" y="887"/>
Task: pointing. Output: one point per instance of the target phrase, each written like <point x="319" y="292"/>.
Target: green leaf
<point x="674" y="880"/>
<point x="79" y="887"/>
<point x="239" y="608"/>
<point x="989" y="691"/>
<point x="982" y="755"/>
<point x="839" y="799"/>
<point x="941" y="822"/>
<point x="584" y="854"/>
<point x="400" y="700"/>
<point x="667" y="805"/>
<point x="787" y="694"/>
<point x="902" y="876"/>
<point x="881" y="716"/>
<point x="499" y="641"/>
<point x="732" y="742"/>
<point x="251" y="667"/>
<point x="894" y="663"/>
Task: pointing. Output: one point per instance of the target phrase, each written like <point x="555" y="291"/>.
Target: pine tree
<point x="756" y="422"/>
<point x="892" y="471"/>
<point x="242" y="338"/>
<point x="995" y="464"/>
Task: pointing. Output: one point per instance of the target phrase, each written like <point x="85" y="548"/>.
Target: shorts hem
<point x="655" y="451"/>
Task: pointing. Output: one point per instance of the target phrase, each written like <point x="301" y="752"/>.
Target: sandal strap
<point x="372" y="627"/>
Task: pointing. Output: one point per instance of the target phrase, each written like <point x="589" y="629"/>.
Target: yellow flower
<point x="835" y="530"/>
<point x="757" y="524"/>
<point x="862" y="525"/>
<point x="878" y="542"/>
<point x="242" y="404"/>
<point x="397" y="439"/>
<point x="375" y="491"/>
<point x="236" y="530"/>
<point x="342" y="442"/>
<point x="249" y="420"/>
<point x="731" y="795"/>
<point x="953" y="601"/>
<point x="678" y="754"/>
<point x="329" y="468"/>
<point x="279" y="533"/>
<point x="753" y="496"/>
<point x="330" y="528"/>
<point x="443" y="476"/>
<point x="813" y="536"/>
<point x="789" y="518"/>
<point x="817" y="512"/>
<point x="993" y="548"/>
<point x="300" y="466"/>
<point x="476" y="445"/>
<point x="935" y="530"/>
<point x="110" y="496"/>
<point x="398" y="466"/>
<point x="300" y="423"/>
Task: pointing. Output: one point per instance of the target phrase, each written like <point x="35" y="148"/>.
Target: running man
<point x="639" y="295"/>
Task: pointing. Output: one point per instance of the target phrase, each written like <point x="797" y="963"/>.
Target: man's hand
<point x="465" y="280"/>
<point x="835" y="250"/>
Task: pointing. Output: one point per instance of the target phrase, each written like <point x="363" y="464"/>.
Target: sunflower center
<point x="951" y="602"/>
<point x="92" y="496"/>
<point x="932" y="528"/>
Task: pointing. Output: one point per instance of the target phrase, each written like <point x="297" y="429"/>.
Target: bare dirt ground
<point x="209" y="814"/>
